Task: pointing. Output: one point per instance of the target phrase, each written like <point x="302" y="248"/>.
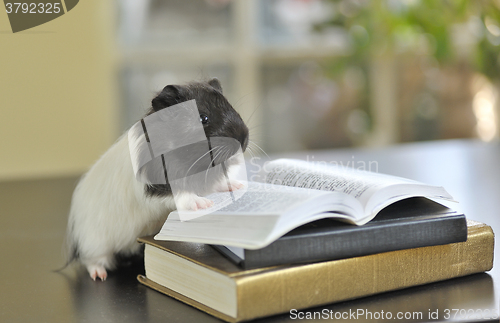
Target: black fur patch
<point x="158" y="190"/>
<point x="223" y="120"/>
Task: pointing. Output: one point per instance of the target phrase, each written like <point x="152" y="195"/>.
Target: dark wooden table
<point x="33" y="219"/>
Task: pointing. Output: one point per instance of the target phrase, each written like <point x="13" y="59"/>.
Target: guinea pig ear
<point x="215" y="84"/>
<point x="168" y="96"/>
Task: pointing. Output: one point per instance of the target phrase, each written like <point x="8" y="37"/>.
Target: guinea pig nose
<point x="244" y="142"/>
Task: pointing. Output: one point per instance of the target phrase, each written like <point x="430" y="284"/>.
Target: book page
<point x="258" y="198"/>
<point x="361" y="185"/>
<point x="255" y="219"/>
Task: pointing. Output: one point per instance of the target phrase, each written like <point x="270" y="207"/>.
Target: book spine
<point x="360" y="241"/>
<point x="298" y="287"/>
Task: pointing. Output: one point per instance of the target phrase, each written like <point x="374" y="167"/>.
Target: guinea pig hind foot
<point x="97" y="267"/>
<point x="97" y="271"/>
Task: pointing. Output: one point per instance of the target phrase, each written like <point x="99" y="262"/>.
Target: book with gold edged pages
<point x="200" y="276"/>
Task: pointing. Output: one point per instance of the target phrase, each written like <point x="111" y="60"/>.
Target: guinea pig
<point x="110" y="208"/>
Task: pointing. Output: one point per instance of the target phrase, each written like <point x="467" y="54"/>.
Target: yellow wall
<point x="58" y="103"/>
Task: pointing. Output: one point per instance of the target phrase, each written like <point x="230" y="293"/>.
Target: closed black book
<point x="411" y="223"/>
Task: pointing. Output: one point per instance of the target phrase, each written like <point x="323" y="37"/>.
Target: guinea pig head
<point x="225" y="131"/>
<point x="218" y="117"/>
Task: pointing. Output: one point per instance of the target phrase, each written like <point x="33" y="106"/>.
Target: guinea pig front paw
<point x="192" y="202"/>
<point x="224" y="186"/>
<point x="97" y="271"/>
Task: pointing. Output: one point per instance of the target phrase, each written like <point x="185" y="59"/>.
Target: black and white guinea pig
<point x="110" y="208"/>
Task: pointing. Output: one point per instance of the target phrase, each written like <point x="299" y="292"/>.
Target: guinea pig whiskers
<point x="250" y="151"/>
<point x="253" y="129"/>
<point x="187" y="172"/>
<point x="257" y="146"/>
<point x="221" y="149"/>
<point x="215" y="154"/>
<point x="228" y="154"/>
<point x="240" y="101"/>
<point x="254" y="153"/>
<point x="252" y="114"/>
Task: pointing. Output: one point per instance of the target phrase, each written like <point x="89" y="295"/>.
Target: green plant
<point x="380" y="27"/>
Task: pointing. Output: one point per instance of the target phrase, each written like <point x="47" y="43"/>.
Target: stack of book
<point x="281" y="246"/>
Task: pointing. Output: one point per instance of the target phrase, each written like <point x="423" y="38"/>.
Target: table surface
<point x="34" y="214"/>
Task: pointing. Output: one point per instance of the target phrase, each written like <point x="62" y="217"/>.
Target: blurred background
<point x="304" y="74"/>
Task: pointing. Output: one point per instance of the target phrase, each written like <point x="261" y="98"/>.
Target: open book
<point x="291" y="194"/>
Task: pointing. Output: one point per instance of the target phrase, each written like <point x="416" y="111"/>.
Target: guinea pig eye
<point x="204" y="119"/>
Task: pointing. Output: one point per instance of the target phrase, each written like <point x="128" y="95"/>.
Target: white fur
<point x="110" y="210"/>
